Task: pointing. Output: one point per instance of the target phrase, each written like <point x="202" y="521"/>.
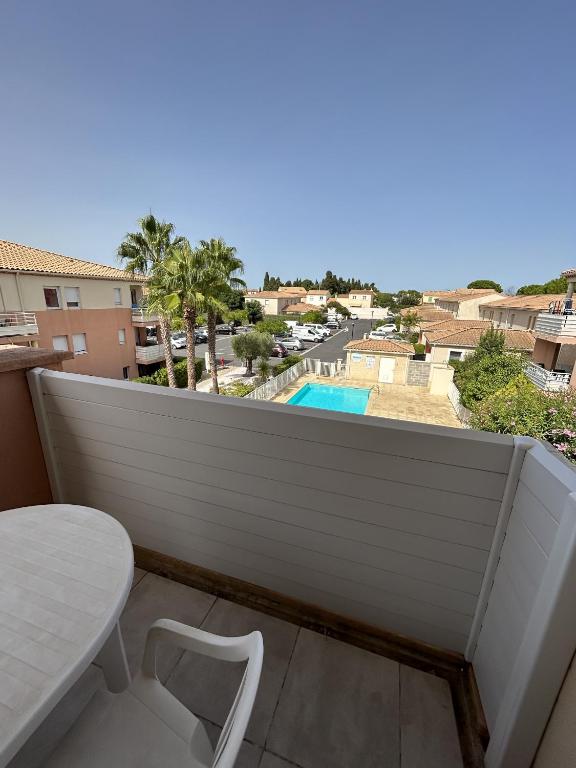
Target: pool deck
<point x="389" y="401"/>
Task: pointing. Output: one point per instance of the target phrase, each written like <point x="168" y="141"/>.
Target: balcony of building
<point x="18" y="326"/>
<point x="142" y="318"/>
<point x="549" y="381"/>
<point x="414" y="584"/>
<point x="557" y="324"/>
<point x="151" y="353"/>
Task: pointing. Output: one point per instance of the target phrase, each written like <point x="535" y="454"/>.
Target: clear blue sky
<point x="416" y="143"/>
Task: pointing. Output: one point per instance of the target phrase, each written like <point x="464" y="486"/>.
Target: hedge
<point x="160" y="378"/>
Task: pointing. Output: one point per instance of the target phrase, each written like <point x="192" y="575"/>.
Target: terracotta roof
<point x="452" y="324"/>
<point x="318" y="293"/>
<point x="538" y="301"/>
<point x="300" y="307"/>
<point x="470" y="337"/>
<point x="464" y="294"/>
<point x="22" y="258"/>
<point x="295" y="289"/>
<point x="470" y="291"/>
<point x="269" y="295"/>
<point x="380" y="345"/>
<point x="427" y="312"/>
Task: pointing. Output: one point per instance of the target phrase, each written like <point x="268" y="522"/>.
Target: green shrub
<point x="286" y="363"/>
<point x="145" y="380"/>
<point x="273" y="326"/>
<point x="419" y="349"/>
<point x="181" y="373"/>
<point x="238" y="389"/>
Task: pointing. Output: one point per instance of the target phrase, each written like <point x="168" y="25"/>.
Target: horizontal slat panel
<point x="478" y="450"/>
<point x="548" y="479"/>
<point x="334" y="593"/>
<point x="536" y="517"/>
<point x="277" y="455"/>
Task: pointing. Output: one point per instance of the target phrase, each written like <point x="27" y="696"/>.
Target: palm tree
<point x="221" y="268"/>
<point x="142" y="253"/>
<point x="183" y="280"/>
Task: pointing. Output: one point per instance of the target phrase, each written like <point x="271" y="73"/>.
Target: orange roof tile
<point x="380" y="345"/>
<point x="299" y="308"/>
<point x="470" y="337"/>
<point x="539" y="301"/>
<point x="23" y="258"/>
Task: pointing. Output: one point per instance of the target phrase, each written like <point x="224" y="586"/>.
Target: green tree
<point x="384" y="300"/>
<point x="264" y="369"/>
<point x="534" y="289"/>
<point x="273" y="326"/>
<point x="492" y="342"/>
<point x="221" y="269"/>
<point x="410" y="321"/>
<point x="557" y="285"/>
<point x="254" y="311"/>
<point x="266" y="283"/>
<point x="314" y="316"/>
<point x="143" y="253"/>
<point x="182" y="279"/>
<point x="485" y="284"/>
<point x="340" y="309"/>
<point x="249" y="346"/>
<point x="408" y="298"/>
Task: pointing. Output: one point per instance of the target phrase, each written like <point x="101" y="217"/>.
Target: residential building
<point x="273" y="302"/>
<point x="299" y="308"/>
<point x="360" y="299"/>
<point x="463" y="303"/>
<point x="426" y="314"/>
<point x="456" y="342"/>
<point x="554" y="358"/>
<point x="67" y="304"/>
<point x="378" y="360"/>
<point x="318" y="298"/>
<point x="518" y="312"/>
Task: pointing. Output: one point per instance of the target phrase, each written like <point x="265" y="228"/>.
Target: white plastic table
<point x="65" y="576"/>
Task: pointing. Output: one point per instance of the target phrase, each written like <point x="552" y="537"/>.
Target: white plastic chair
<point x="147" y="727"/>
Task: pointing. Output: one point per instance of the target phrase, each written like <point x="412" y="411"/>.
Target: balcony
<point x="152" y="353"/>
<point x="13" y="324"/>
<point x="555" y="326"/>
<point x="141" y="318"/>
<point x="369" y="552"/>
<point x="549" y="381"/>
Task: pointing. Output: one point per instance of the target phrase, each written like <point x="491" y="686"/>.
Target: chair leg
<point x="114" y="664"/>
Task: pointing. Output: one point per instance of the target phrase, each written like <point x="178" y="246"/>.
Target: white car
<point x="321" y="329"/>
<point x="178" y="340"/>
<point x="291" y="342"/>
<point x="307" y="334"/>
<point x="383" y="332"/>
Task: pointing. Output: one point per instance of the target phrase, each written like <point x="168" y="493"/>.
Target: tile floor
<point x="321" y="703"/>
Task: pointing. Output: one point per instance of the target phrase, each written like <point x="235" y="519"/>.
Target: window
<point x="60" y="343"/>
<point x="454" y="355"/>
<point x="122" y="335"/>
<point x="512" y="318"/>
<point x="72" y="297"/>
<point x="126" y="372"/>
<point x="52" y="298"/>
<point x="118" y="296"/>
<point x="79" y="343"/>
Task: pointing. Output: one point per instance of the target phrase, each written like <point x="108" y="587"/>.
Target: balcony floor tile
<point x="339" y="707"/>
<point x="157" y="598"/>
<point x="209" y="690"/>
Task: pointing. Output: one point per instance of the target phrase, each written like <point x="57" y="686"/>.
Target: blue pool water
<point x="347" y="399"/>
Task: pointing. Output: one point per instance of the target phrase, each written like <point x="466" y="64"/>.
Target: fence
<point x="271" y="388"/>
<point x="454" y="397"/>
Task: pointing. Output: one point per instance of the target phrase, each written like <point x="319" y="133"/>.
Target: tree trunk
<point x="211" y="318"/>
<point x="190" y="322"/>
<point x="165" y="336"/>
<point x="249" y="366"/>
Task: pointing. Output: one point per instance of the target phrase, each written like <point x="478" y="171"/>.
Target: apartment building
<point x="463" y="303"/>
<point x="518" y="312"/>
<point x="361" y="299"/>
<point x="67" y="304"/>
<point x="454" y="340"/>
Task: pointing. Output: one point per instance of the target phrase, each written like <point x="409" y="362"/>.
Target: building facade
<point x="518" y="313"/>
<point x="66" y="304"/>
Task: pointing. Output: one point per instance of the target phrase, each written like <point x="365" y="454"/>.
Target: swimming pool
<point x="347" y="399"/>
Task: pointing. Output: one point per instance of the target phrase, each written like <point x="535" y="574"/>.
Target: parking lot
<point x="329" y="351"/>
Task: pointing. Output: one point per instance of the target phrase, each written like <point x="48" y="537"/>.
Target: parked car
<point x="279" y="350"/>
<point x="307" y="334"/>
<point x="178" y="340"/>
<point x="354" y="317"/>
<point x="291" y="342"/>
<point x="227" y="328"/>
<point x="333" y="325"/>
<point x="200" y="337"/>
<point x="383" y="332"/>
<point x="319" y="328"/>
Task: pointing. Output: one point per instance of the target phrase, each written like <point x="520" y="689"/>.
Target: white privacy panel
<point x="527" y="577"/>
<point x="383" y="521"/>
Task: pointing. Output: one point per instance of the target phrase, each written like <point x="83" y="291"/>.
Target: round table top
<point x="65" y="575"/>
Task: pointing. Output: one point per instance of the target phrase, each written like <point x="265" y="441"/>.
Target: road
<point x="329" y="351"/>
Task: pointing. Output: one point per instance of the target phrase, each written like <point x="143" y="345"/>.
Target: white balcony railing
<point x="549" y="381"/>
<point x="555" y="324"/>
<point x="142" y="315"/>
<point x="150" y="354"/>
<point x="462" y="539"/>
<point x="18" y="324"/>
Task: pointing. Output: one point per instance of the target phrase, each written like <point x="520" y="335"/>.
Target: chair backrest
<point x="236" y="723"/>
